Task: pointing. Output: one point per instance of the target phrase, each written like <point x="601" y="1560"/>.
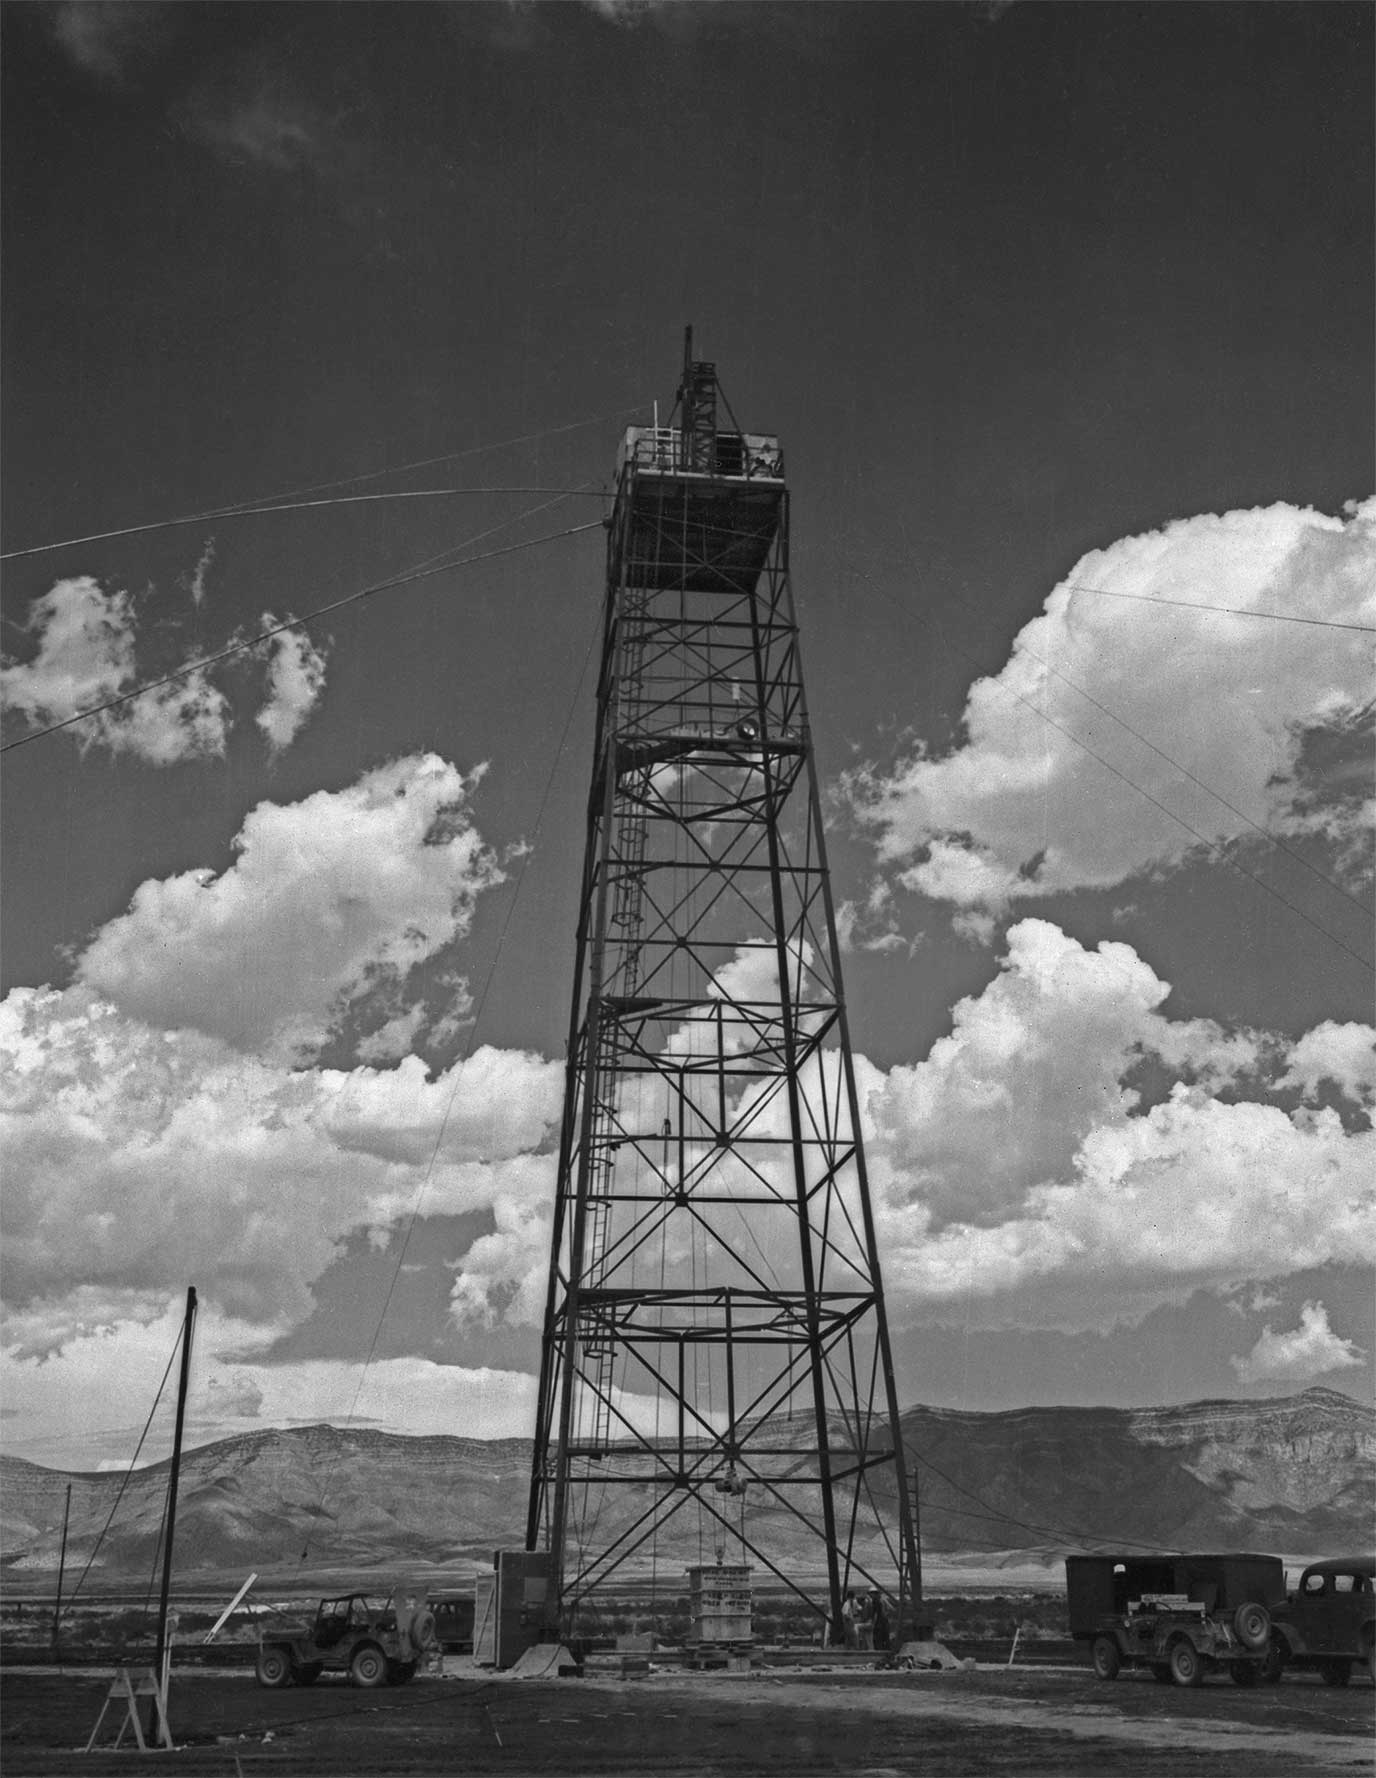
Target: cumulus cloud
<point x="327" y="901"/>
<point x="85" y="654"/>
<point x="1020" y="1171"/>
<point x="85" y="651"/>
<point x="1310" y="1350"/>
<point x="1239" y="722"/>
<point x="1033" y="1067"/>
<point x="136" y="1154"/>
<point x="1344" y="1055"/>
<point x="296" y="679"/>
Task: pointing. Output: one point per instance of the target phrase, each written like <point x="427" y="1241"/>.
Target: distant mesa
<point x="1291" y="1475"/>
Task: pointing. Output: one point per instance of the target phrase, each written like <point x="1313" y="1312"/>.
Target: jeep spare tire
<point x="423" y="1631"/>
<point x="1105" y="1657"/>
<point x="1252" y="1625"/>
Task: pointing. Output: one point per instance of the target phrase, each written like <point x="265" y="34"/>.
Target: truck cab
<point x="1327" y="1622"/>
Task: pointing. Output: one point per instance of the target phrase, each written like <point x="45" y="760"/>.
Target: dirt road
<point x="1041" y="1723"/>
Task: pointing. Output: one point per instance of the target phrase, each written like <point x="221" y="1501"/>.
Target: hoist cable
<point x="343" y="481"/>
<point x="249" y="512"/>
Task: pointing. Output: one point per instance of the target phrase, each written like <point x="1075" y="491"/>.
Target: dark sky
<point x="1011" y="282"/>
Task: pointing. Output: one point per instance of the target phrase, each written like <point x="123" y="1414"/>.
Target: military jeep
<point x="1329" y="1621"/>
<point x="375" y="1642"/>
<point x="1179" y="1617"/>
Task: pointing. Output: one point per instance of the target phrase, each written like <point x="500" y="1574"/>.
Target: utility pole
<point x="61" y="1569"/>
<point x="716" y="1370"/>
<point x="172" y="1481"/>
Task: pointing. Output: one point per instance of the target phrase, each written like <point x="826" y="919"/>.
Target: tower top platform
<point x="719" y="456"/>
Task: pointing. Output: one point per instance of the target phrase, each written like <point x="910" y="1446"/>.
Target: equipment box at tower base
<point x="719" y="1606"/>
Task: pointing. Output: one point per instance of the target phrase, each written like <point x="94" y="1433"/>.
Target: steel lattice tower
<point x="716" y="1369"/>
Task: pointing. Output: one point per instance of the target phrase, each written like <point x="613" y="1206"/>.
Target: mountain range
<point x="1292" y="1475"/>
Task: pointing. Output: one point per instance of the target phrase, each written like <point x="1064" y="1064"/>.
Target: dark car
<point x="1329" y="1621"/>
<point x="1181" y="1617"/>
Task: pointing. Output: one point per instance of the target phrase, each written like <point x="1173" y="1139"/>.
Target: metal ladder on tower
<point x="628" y="902"/>
<point x="598" y="1348"/>
<point x="626" y="917"/>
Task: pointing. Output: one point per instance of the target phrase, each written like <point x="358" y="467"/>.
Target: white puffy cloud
<point x="85" y="651"/>
<point x="153" y="1134"/>
<point x="1020" y="1171"/>
<point x="1234" y="717"/>
<point x="296" y="679"/>
<point x="503" y="1275"/>
<point x="137" y="1154"/>
<point x="1342" y="1054"/>
<point x="328" y="900"/>
<point x="84" y="655"/>
<point x="186" y="719"/>
<point x="1310" y="1350"/>
<point x="1032" y="1067"/>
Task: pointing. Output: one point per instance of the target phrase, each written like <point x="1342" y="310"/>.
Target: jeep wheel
<point x="274" y="1668"/>
<point x="1244" y="1673"/>
<point x="1105" y="1658"/>
<point x="369" y="1666"/>
<point x="400" y="1672"/>
<point x="1335" y="1672"/>
<point x="308" y="1672"/>
<point x="1187" y="1664"/>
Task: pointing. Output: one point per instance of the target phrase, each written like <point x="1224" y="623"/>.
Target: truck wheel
<point x="369" y="1666"/>
<point x="1105" y="1658"/>
<point x="1335" y="1672"/>
<point x="1243" y="1673"/>
<point x="274" y="1666"/>
<point x="1187" y="1664"/>
<point x="308" y="1672"/>
<point x="1273" y="1666"/>
<point x="1252" y="1625"/>
<point x="1370" y="1657"/>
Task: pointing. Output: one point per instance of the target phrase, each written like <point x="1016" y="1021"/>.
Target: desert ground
<point x="1025" y="1723"/>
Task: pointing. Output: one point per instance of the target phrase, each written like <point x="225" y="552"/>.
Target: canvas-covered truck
<point x="1329" y="1622"/>
<point x="1180" y="1617"/>
<point x="374" y="1641"/>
